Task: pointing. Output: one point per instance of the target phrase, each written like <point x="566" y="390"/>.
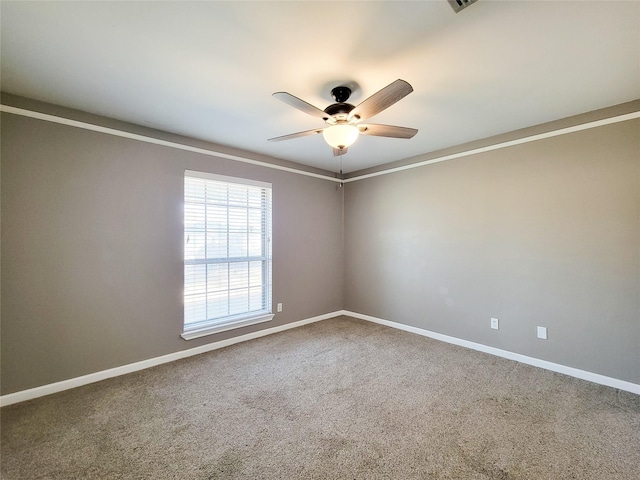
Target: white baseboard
<point x="152" y="362"/>
<point x="554" y="367"/>
<point x="36" y="392"/>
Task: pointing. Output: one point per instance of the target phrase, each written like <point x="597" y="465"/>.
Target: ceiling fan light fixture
<point x="342" y="119"/>
<point x="340" y="136"/>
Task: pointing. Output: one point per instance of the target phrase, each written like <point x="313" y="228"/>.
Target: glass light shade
<point x="340" y="136"/>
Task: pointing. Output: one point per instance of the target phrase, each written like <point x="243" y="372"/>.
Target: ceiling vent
<point x="458" y="5"/>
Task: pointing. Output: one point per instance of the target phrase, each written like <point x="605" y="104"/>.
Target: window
<point x="227" y="253"/>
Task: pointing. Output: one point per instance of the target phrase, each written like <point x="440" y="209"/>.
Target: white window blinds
<point x="227" y="251"/>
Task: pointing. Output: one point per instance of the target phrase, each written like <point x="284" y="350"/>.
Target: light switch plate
<point x="542" y="332"/>
<point x="494" y="323"/>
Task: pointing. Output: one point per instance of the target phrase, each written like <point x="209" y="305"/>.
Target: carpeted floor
<point x="339" y="399"/>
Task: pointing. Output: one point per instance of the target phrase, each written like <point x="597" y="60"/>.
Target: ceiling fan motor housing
<point x="338" y="109"/>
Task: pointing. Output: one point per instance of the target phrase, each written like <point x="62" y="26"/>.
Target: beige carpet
<point x="339" y="399"/>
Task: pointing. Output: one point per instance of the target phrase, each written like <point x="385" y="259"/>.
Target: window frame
<point x="229" y="322"/>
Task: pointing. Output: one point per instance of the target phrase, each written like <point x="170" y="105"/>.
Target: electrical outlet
<point x="279" y="307"/>
<point x="494" y="323"/>
<point x="542" y="333"/>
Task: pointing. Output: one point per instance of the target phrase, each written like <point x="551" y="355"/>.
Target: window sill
<point x="211" y="329"/>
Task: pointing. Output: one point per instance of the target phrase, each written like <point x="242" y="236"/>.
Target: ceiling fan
<point x="343" y="119"/>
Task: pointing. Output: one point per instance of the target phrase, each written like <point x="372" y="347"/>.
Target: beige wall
<point x="92" y="249"/>
<point x="546" y="233"/>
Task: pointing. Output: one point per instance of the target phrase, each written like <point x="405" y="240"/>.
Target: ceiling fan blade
<point x="339" y="151"/>
<point x="387" y="130"/>
<point x="301" y="105"/>
<point x="381" y="100"/>
<point x="296" y="135"/>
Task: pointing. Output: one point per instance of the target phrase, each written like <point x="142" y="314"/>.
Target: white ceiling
<point x="208" y="69"/>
